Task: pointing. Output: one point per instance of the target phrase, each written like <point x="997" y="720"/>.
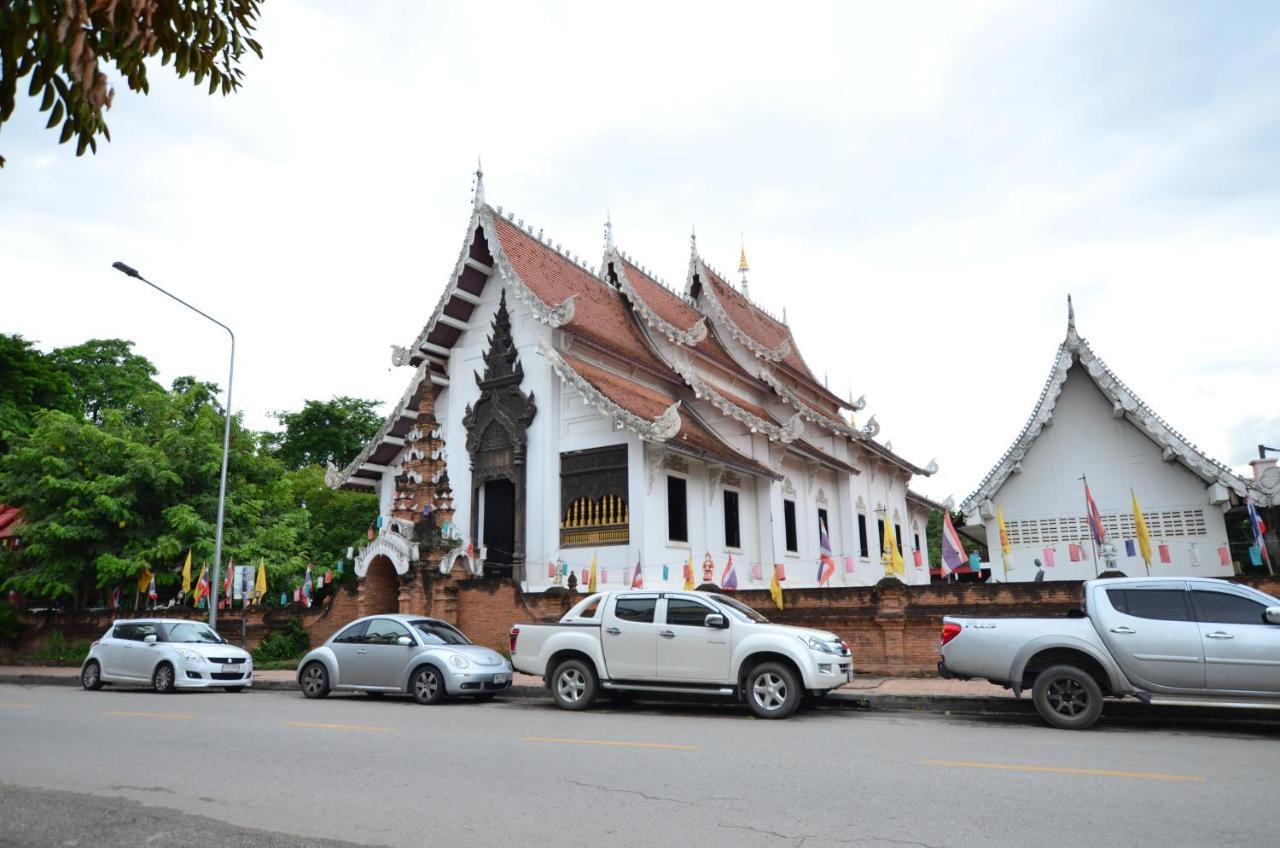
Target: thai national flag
<point x="151" y="589"/>
<point x="729" y="578"/>
<point x="1259" y="527"/>
<point x="826" y="559"/>
<point x="637" y="579"/>
<point x="953" y="555"/>
<point x="1095" y="520"/>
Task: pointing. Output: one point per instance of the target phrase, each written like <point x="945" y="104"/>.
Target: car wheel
<point x="91" y="676"/>
<point x="233" y="688"/>
<point x="315" y="680"/>
<point x="573" y="686"/>
<point x="427" y="685"/>
<point x="162" y="679"/>
<point x="772" y="691"/>
<point x="1067" y="697"/>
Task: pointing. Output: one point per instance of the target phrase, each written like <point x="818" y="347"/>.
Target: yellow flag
<point x="1140" y="529"/>
<point x="260" y="585"/>
<point x="775" y="588"/>
<point x="144" y="579"/>
<point x="1006" y="549"/>
<point x="689" y="585"/>
<point x="186" y="574"/>
<point x="591" y="578"/>
<point x="892" y="556"/>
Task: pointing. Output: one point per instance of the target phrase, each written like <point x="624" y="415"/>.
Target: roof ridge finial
<point x="608" y="231"/>
<point x="478" y="194"/>
<point x="784" y="315"/>
<point x="693" y="239"/>
<point x="1071" y="315"/>
<point x="743" y="267"/>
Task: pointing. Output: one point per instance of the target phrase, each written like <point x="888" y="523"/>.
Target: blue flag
<point x="666" y="570"/>
<point x="1255" y="555"/>
<point x="1130" y="548"/>
<point x="975" y="562"/>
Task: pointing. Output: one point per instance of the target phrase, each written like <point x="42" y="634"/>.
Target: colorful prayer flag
<point x="144" y="579"/>
<point x="975" y="562"/>
<point x="306" y="588"/>
<point x="1073" y="550"/>
<point x="151" y="589"/>
<point x="260" y="584"/>
<point x="202" y="585"/>
<point x="297" y="596"/>
<point x="826" y="561"/>
<point x="917" y="554"/>
<point x="848" y="563"/>
<point x="666" y="572"/>
<point x="1224" y="556"/>
<point x="226" y="580"/>
<point x="1049" y="554"/>
<point x="1130" y="548"/>
<point x="1195" y="555"/>
<point x="729" y="579"/>
<point x="186" y="574"/>
<point x="953" y="555"/>
<point x="284" y="599"/>
<point x="1140" y="529"/>
<point x="637" y="578"/>
<point x="1165" y="556"/>
<point x="551" y="570"/>
<point x="688" y="574"/>
<point x="1259" y="528"/>
<point x="757" y="572"/>
<point x="591" y="578"/>
<point x="1255" y="555"/>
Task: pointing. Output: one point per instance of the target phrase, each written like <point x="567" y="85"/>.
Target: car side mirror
<point x="404" y="640"/>
<point x="150" y="638"/>
<point x="1272" y="615"/>
<point x="715" y="620"/>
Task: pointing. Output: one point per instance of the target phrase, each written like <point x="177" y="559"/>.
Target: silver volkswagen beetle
<point x="425" y="657"/>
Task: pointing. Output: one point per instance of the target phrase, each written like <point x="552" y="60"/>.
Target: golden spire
<point x="743" y="268"/>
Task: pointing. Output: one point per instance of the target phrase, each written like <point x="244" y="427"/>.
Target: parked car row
<point x="166" y="654"/>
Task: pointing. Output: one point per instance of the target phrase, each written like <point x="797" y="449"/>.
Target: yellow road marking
<point x="612" y="744"/>
<point x="19" y="706"/>
<point x="175" y="716"/>
<point x="1085" y="772"/>
<point x="357" y="727"/>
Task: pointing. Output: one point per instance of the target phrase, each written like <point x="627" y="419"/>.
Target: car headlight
<point x="190" y="656"/>
<point x="458" y="661"/>
<point x="818" y="645"/>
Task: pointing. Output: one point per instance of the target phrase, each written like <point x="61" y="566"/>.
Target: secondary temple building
<point x="1088" y="424"/>
<point x="559" y="415"/>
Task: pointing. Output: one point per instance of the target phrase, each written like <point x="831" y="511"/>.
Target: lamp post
<point x="226" y="438"/>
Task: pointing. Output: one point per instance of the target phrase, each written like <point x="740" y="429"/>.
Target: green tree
<point x="29" y="382"/>
<point x="64" y="44"/>
<point x="336" y="518"/>
<point x="107" y="374"/>
<point x="325" y="431"/>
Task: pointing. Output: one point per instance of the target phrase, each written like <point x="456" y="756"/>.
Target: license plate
<point x="501" y="678"/>
<point x="230" y="668"/>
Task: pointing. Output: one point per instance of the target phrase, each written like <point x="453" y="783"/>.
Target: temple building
<point x="559" y="414"/>
<point x="1089" y="426"/>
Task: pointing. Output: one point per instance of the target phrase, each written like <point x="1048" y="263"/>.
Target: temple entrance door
<point x="380" y="589"/>
<point x="499" y="536"/>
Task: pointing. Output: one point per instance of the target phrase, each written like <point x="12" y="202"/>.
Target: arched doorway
<point x="380" y="589"/>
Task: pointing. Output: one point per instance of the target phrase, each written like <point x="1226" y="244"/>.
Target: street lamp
<point x="226" y="438"/>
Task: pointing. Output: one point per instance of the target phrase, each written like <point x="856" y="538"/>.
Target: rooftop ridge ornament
<point x="477" y="194"/>
<point x="608" y="231"/>
<point x="743" y="268"/>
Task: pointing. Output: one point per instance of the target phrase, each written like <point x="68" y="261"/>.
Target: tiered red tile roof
<point x="10" y="522"/>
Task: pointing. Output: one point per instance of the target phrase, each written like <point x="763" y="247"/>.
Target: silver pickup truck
<point x="683" y="642"/>
<point x="1188" y="641"/>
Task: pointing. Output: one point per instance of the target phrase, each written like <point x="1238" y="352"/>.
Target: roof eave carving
<point x="687" y="337"/>
<point x="715" y="310"/>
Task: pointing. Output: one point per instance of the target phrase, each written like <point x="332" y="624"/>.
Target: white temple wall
<point x="1085" y="438"/>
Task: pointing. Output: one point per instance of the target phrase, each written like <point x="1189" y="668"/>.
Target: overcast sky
<point x="921" y="188"/>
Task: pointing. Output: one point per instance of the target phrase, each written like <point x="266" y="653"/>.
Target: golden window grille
<point x="604" y="521"/>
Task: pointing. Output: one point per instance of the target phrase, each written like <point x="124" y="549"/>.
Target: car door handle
<point x="613" y="631"/>
<point x="1128" y="630"/>
<point x="1218" y="635"/>
<point x="667" y="634"/>
<point x="362" y="651"/>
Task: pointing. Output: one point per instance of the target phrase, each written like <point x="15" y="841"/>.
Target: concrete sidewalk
<point x="882" y="693"/>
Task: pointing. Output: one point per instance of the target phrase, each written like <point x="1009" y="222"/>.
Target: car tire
<point x="91" y="676"/>
<point x="315" y="680"/>
<point x="1067" y="697"/>
<point x="772" y="690"/>
<point x="233" y="688"/>
<point x="163" y="679"/>
<point x="427" y="685"/>
<point x="574" y="685"/>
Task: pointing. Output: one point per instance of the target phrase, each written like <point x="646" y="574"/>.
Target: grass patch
<point x="276" y="665"/>
<point x="57" y="651"/>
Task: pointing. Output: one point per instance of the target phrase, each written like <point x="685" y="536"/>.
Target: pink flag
<point x="604" y="575"/>
<point x="1224" y="555"/>
<point x="917" y="553"/>
<point x="297" y="596"/>
<point x="1165" y="557"/>
<point x="1048" y="557"/>
<point x="848" y="564"/>
<point x="551" y="570"/>
<point x="757" y="572"/>
<point x="1073" y="550"/>
<point x="585" y="578"/>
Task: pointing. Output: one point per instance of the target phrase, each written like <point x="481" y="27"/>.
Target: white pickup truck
<point x="681" y="642"/>
<point x="1189" y="640"/>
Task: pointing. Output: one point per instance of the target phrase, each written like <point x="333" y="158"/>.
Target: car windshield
<point x="192" y="631"/>
<point x="439" y="633"/>
<point x="739" y="610"/>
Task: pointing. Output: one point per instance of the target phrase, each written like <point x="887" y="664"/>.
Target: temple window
<point x="789" y="522"/>
<point x="677" y="509"/>
<point x="593" y="497"/>
<point x="732" y="529"/>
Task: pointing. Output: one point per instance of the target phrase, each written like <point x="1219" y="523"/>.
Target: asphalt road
<point x="265" y="768"/>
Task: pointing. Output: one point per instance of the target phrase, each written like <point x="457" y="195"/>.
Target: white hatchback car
<point x="166" y="654"/>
